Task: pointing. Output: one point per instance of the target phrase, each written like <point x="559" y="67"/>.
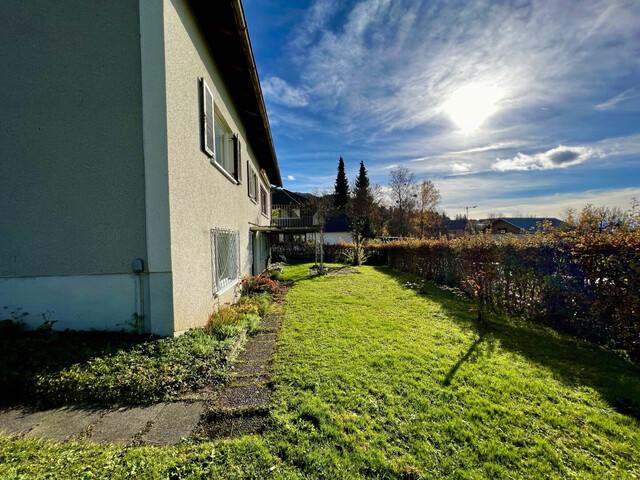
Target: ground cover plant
<point x="379" y="375"/>
<point x="48" y="368"/>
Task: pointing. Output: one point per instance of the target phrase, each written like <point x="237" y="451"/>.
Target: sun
<point x="471" y="105"/>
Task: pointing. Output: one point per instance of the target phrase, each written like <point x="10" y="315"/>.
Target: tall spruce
<point x="361" y="211"/>
<point x="341" y="191"/>
<point x="362" y="182"/>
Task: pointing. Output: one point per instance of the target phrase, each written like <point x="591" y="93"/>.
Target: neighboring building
<point x="457" y="228"/>
<point x="518" y="226"/>
<point x="337" y="229"/>
<point x="131" y="129"/>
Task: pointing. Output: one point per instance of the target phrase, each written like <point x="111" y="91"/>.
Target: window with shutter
<point x="207" y="120"/>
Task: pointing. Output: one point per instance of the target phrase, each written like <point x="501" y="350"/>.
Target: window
<point x="503" y="230"/>
<point x="219" y="143"/>
<point x="264" y="205"/>
<point x="225" y="258"/>
<point x="252" y="183"/>
<point x="223" y="145"/>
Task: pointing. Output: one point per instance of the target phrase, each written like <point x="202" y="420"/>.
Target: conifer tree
<point x="341" y="191"/>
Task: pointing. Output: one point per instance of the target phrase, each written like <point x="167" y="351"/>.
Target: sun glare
<point x="471" y="105"/>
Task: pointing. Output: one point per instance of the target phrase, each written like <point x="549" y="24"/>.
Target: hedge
<point x="588" y="285"/>
<point x="584" y="284"/>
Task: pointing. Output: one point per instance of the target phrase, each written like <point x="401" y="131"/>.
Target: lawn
<point x="374" y="379"/>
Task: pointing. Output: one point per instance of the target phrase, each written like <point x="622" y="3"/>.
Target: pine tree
<point x="341" y="192"/>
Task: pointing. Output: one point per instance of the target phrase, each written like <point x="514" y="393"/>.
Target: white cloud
<point x="559" y="157"/>
<point x="291" y="177"/>
<point x="460" y="167"/>
<point x="621" y="98"/>
<point x="279" y="91"/>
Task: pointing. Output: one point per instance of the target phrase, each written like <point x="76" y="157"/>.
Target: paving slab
<point x="250" y="368"/>
<point x="174" y="421"/>
<point x="18" y="422"/>
<point x="63" y="423"/>
<point x="257" y="354"/>
<point x="122" y="425"/>
<point x="228" y="426"/>
<point x="244" y="380"/>
<point x="249" y="396"/>
<point x="264" y="337"/>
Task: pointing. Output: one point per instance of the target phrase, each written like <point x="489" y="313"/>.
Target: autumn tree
<point x="341" y="190"/>
<point x="403" y="191"/>
<point x="427" y="219"/>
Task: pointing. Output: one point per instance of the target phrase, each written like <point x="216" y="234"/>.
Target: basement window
<point x="225" y="258"/>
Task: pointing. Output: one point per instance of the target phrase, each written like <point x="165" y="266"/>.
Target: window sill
<point x="224" y="172"/>
<point x="255" y="202"/>
<point x="265" y="216"/>
<point x="226" y="287"/>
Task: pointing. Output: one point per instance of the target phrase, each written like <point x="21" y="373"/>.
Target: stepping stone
<point x="121" y="426"/>
<point x="233" y="425"/>
<point x="257" y="355"/>
<point x="19" y="422"/>
<point x="63" y="423"/>
<point x="174" y="421"/>
<point x="248" y="396"/>
<point x="250" y="368"/>
<point x="264" y="337"/>
<point x="241" y="381"/>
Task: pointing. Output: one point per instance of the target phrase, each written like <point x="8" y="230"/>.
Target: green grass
<point x="373" y="380"/>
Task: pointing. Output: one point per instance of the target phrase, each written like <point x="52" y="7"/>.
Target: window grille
<point x="225" y="257"/>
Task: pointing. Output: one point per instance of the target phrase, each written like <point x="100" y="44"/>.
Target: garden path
<point x="239" y="407"/>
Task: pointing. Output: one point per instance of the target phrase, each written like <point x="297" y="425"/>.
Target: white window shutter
<point x="207" y="120"/>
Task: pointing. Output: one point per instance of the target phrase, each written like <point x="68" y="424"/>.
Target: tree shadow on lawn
<point x="27" y="354"/>
<point x="573" y="361"/>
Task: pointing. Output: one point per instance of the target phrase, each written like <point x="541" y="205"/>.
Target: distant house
<point x="338" y="229"/>
<point x="136" y="159"/>
<point x="457" y="228"/>
<point x="518" y="226"/>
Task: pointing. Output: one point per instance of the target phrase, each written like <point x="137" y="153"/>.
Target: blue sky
<point x="514" y="106"/>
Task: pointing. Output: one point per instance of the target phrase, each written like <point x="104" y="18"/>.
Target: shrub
<point x="262" y="283"/>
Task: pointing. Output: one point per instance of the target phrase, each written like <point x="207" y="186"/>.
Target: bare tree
<point x="403" y="191"/>
<point x="323" y="209"/>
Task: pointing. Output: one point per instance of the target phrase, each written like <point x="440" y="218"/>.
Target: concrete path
<point x="240" y="407"/>
<point x="160" y="424"/>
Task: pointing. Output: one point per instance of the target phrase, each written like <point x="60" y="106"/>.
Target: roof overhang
<point x="225" y="30"/>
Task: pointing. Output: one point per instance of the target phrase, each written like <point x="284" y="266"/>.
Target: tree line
<point x="402" y="208"/>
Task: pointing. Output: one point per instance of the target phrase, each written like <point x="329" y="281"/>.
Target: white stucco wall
<point x="335" y="237"/>
<point x="201" y="197"/>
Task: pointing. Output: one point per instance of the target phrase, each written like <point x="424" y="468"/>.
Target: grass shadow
<point x="572" y="361"/>
<point x="26" y="355"/>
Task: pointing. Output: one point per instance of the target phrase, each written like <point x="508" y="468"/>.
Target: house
<point x="337" y="229"/>
<point x="457" y="228"/>
<point x="136" y="159"/>
<point x="518" y="226"/>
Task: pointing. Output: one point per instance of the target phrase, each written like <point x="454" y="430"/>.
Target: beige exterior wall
<point x="201" y="197"/>
<point x="71" y="159"/>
